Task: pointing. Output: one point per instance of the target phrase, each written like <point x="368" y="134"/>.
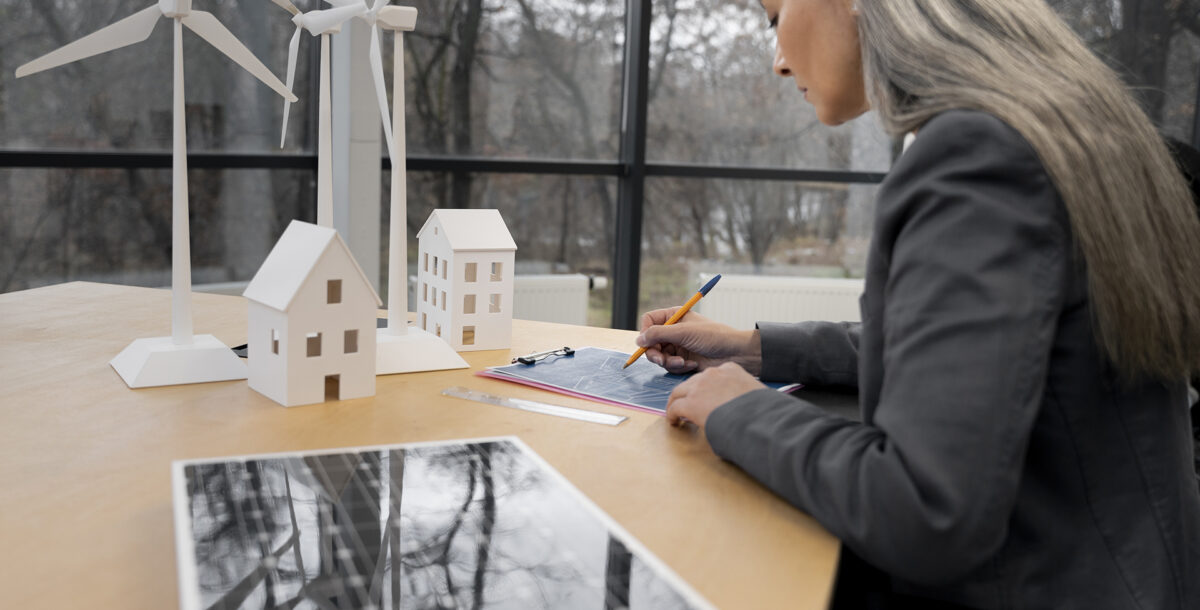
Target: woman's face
<point x="816" y="44"/>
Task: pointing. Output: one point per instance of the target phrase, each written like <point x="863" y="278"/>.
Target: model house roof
<point x="471" y="230"/>
<point x="292" y="260"/>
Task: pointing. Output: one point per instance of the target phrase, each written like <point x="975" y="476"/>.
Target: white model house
<point x="465" y="279"/>
<point x="311" y="321"/>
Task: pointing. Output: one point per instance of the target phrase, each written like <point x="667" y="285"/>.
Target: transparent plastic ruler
<point x="534" y="406"/>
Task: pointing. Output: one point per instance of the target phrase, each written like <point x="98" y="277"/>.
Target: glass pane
<point x="122" y="100"/>
<point x="753" y="228"/>
<point x="114" y="225"/>
<point x="529" y="78"/>
<point x="561" y="224"/>
<point x="1153" y="45"/>
<point x="714" y="99"/>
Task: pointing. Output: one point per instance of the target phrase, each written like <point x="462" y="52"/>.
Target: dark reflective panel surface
<point x="458" y="525"/>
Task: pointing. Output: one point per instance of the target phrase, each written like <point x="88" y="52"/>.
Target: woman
<point x="1029" y="321"/>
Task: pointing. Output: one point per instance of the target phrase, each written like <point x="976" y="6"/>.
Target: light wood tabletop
<point x="85" y="502"/>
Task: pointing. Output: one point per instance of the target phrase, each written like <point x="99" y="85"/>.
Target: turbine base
<point x="158" y="361"/>
<point x="414" y="351"/>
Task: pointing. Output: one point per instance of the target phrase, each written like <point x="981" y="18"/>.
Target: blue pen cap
<point x="710" y="284"/>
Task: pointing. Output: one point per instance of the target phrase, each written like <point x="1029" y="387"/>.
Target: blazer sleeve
<point x="813" y="353"/>
<point x="976" y="246"/>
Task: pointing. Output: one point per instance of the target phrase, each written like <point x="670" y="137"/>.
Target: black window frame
<point x="630" y="169"/>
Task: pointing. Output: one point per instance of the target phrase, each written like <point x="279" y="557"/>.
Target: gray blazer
<point x="999" y="463"/>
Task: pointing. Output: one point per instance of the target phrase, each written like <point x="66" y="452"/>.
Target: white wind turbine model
<point x="324" y="23"/>
<point x="399" y="348"/>
<point x="182" y="357"/>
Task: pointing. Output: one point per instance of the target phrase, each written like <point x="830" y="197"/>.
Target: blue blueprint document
<point x="596" y="374"/>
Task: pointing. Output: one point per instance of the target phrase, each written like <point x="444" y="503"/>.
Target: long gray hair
<point x="1130" y="210"/>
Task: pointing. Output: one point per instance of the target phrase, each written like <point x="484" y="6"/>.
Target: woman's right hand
<point x="697" y="343"/>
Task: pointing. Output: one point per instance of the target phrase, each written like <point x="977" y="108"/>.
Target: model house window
<point x="333" y="292"/>
<point x="351" y="342"/>
<point x="425" y="256"/>
<point x="468" y="335"/>
<point x="497" y="268"/>
<point x="424" y="321"/>
<point x="437" y="329"/>
<point x="470" y="272"/>
<point x="314" y="344"/>
<point x="443" y="300"/>
<point x="445" y="268"/>
<point x="469" y="303"/>
<point x="494" y="303"/>
<point x="274" y="341"/>
<point x="435" y="266"/>
<point x="433" y="299"/>
<point x="424" y="292"/>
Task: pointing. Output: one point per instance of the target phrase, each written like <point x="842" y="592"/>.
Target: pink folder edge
<point x="787" y="389"/>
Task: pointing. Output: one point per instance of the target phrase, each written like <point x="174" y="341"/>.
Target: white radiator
<point x="551" y="298"/>
<point x="742" y="300"/>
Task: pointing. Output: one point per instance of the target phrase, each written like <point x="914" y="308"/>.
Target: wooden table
<point x="85" y="507"/>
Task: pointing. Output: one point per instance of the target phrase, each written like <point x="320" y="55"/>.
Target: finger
<point x="657" y="317"/>
<point x="676" y="410"/>
<point x="662" y="335"/>
<point x="678" y="365"/>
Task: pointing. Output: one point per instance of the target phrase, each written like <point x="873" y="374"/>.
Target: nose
<point x="780" y="66"/>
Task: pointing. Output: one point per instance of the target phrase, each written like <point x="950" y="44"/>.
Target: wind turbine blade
<point x="381" y="90"/>
<point x="217" y="35"/>
<point x="293" y="51"/>
<point x="343" y="3"/>
<point x="319" y="22"/>
<point x="130" y="30"/>
<point x="287" y="6"/>
<point x="378" y="5"/>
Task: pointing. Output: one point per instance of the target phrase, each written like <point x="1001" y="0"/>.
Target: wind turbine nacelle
<point x="400" y="18"/>
<point x="175" y="8"/>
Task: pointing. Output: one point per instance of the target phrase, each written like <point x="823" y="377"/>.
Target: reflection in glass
<point x="713" y="98"/>
<point x="563" y="224"/>
<point x="122" y="100"/>
<point x="114" y="225"/>
<point x="478" y="525"/>
<point x="742" y="227"/>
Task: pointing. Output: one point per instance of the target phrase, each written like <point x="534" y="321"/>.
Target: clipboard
<point x="597" y="374"/>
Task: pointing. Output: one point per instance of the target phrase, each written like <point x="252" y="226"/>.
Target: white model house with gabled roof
<point x="465" y="263"/>
<point x="311" y="321"/>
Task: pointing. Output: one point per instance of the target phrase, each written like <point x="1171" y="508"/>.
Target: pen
<point x="679" y="314"/>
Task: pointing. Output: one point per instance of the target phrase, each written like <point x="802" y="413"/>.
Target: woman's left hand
<point x="695" y="399"/>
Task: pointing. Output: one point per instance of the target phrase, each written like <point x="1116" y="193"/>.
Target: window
<point x="437" y="329"/>
<point x="433" y="297"/>
<point x="443" y="300"/>
<point x="425" y="322"/>
<point x="497" y="268"/>
<point x="468" y="303"/>
<point x="424" y="292"/>
<point x="274" y="340"/>
<point x="494" y="303"/>
<point x="350" y="342"/>
<point x="314" y="344"/>
<point x="564" y="105"/>
<point x="470" y="272"/>
<point x="333" y="292"/>
<point x="435" y="266"/>
<point x="445" y="268"/>
<point x="468" y="337"/>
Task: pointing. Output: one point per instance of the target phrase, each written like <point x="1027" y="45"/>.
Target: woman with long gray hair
<point x="1030" y="317"/>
